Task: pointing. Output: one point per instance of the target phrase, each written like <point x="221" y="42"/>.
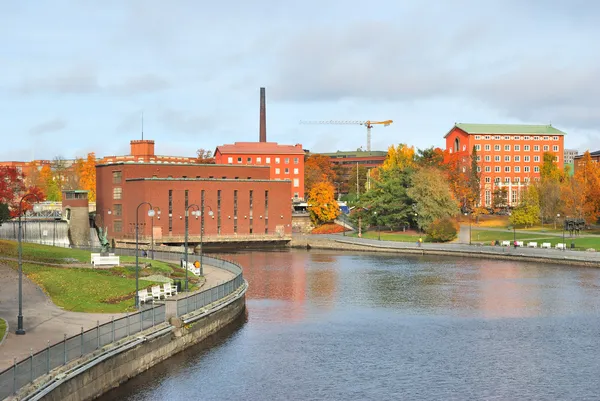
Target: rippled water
<point x="328" y="326"/>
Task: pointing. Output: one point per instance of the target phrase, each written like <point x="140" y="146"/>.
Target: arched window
<point x="457" y="145"/>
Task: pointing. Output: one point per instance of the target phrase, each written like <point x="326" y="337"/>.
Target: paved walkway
<point x="43" y="321"/>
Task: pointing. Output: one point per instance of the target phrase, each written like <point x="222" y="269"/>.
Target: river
<point x="336" y="326"/>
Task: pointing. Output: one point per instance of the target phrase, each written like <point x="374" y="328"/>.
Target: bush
<point x="442" y="230"/>
<point x="328" y="228"/>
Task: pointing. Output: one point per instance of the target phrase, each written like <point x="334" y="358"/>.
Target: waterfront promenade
<point x="46" y="323"/>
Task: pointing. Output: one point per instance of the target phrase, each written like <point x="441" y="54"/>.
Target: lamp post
<point x="186" y="242"/>
<point x="137" y="249"/>
<point x="558" y="217"/>
<point x="210" y="213"/>
<point x="20" y="330"/>
<point x="157" y="211"/>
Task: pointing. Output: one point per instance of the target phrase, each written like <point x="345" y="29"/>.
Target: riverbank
<point x="346" y="243"/>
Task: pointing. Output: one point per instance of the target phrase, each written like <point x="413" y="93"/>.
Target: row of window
<point x="515" y="137"/>
<point x="514" y="196"/>
<point x="286" y="171"/>
<point x="508" y="180"/>
<point x="516" y="159"/>
<point x="517" y="148"/>
<point x="516" y="169"/>
<point x="267" y="160"/>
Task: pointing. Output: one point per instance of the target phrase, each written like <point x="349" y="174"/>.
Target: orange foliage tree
<point x="322" y="205"/>
<point x="49" y="184"/>
<point x="581" y="194"/>
<point x="317" y="168"/>
<point x="401" y="156"/>
<point x="458" y="178"/>
<point x="86" y="170"/>
<point x="13" y="187"/>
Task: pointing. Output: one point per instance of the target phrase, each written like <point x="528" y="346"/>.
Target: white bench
<point x="167" y="290"/>
<point x="532" y="245"/>
<point x="520" y="243"/>
<point x="173" y="289"/>
<point x="110" y="260"/>
<point x="190" y="267"/>
<point x="157" y="293"/>
<point x="143" y="296"/>
<point x="505" y="243"/>
<point x="561" y="246"/>
<point x="546" y="245"/>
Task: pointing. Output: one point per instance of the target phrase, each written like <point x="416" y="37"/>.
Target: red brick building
<point x="247" y="205"/>
<point x="578" y="160"/>
<point x="508" y="156"/>
<point x="285" y="162"/>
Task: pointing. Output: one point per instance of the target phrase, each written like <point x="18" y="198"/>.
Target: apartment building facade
<point x="508" y="156"/>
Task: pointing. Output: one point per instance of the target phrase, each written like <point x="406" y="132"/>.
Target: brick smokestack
<point x="263" y="117"/>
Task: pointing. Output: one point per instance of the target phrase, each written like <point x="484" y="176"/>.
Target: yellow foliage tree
<point x="87" y="175"/>
<point x="322" y="205"/>
<point x="401" y="156"/>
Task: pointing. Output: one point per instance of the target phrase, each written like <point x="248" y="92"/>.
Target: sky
<point x="76" y="75"/>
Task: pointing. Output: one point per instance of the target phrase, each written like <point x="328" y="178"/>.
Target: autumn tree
<point x="500" y="199"/>
<point x="474" y="181"/>
<point x="322" y="205"/>
<point x="49" y="184"/>
<point x="32" y="177"/>
<point x="401" y="156"/>
<point x="317" y="168"/>
<point x="358" y="174"/>
<point x="527" y="213"/>
<point x="87" y="175"/>
<point x="458" y="178"/>
<point x="430" y="157"/>
<point x="549" y="188"/>
<point x="585" y="190"/>
<point x="12" y="188"/>
<point x="431" y="196"/>
<point x="204" y="157"/>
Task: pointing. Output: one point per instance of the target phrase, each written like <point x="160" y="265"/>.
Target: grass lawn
<point x="390" y="236"/>
<point x="488" y="236"/>
<point x="43" y="253"/>
<point x="2" y="328"/>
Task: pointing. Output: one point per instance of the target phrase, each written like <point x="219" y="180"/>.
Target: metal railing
<point x="71" y="348"/>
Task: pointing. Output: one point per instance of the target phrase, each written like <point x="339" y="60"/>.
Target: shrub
<point x="328" y="228"/>
<point x="442" y="230"/>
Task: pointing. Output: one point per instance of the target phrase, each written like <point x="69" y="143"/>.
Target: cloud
<point x="141" y="84"/>
<point x="48" y="126"/>
<point x="185" y="122"/>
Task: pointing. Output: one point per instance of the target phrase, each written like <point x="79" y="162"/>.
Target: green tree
<point x="430" y="193"/>
<point x="474" y="182"/>
<point x="361" y="178"/>
<point x="4" y="213"/>
<point x="322" y="205"/>
<point x="500" y="199"/>
<point x="387" y="200"/>
<point x="549" y="188"/>
<point x="528" y="211"/>
<point x="430" y="157"/>
<point x="441" y="230"/>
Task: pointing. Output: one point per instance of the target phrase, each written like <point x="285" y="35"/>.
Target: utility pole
<point x="357" y="185"/>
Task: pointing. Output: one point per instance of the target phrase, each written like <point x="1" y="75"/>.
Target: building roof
<point x="339" y="153"/>
<point x="260" y="148"/>
<point x="593" y="154"/>
<point x="206" y="179"/>
<point x="507" y="129"/>
<point x="177" y="164"/>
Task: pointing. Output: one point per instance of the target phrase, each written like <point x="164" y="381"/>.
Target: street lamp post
<point x="20" y="330"/>
<point x="210" y="213"/>
<point x="137" y="249"/>
<point x="152" y="233"/>
<point x="186" y="242"/>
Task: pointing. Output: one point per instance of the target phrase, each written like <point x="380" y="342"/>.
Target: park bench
<point x="109" y="260"/>
<point x="561" y="246"/>
<point x="520" y="243"/>
<point x="505" y="243"/>
<point x="156" y="292"/>
<point x="143" y="296"/>
<point x="532" y="244"/>
<point x="167" y="290"/>
<point x="546" y="245"/>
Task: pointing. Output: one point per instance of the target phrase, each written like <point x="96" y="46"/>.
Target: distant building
<point x="246" y="204"/>
<point x="578" y="160"/>
<point x="569" y="155"/>
<point x="285" y="162"/>
<point x="509" y="156"/>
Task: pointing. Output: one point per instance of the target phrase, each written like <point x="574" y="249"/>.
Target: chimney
<point x="263" y="117"/>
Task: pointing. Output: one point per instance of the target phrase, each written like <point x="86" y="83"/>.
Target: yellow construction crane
<point x="369" y="124"/>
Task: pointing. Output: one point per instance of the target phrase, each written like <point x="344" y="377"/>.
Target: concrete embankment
<point x="341" y="243"/>
<point x="93" y="375"/>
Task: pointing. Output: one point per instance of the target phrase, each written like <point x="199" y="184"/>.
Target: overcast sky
<point x="75" y="75"/>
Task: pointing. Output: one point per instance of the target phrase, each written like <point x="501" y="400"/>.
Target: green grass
<point x="390" y="236"/>
<point x="3" y="326"/>
<point x="156" y="266"/>
<point x="488" y="236"/>
<point x="43" y="253"/>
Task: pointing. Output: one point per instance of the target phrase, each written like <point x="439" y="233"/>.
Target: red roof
<point x="267" y="148"/>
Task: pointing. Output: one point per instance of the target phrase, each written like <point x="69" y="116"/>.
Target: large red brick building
<point x="247" y="205"/>
<point x="285" y="162"/>
<point x="508" y="156"/>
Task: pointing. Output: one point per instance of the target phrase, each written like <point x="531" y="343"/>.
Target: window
<point x="487" y="147"/>
<point x="487" y="137"/>
<point x="277" y="171"/>
<point x="526" y="159"/>
<point x="118" y="226"/>
<point x="295" y="171"/>
<point x="556" y="159"/>
<point x="496" y="158"/>
<point x="536" y="148"/>
<point x="507" y="180"/>
<point x="555" y="138"/>
<point x="219" y="211"/>
<point x="546" y="138"/>
<point x="286" y="170"/>
<point x="497" y="148"/>
<point x="296" y="160"/>
<point x="478" y="169"/>
<point x="477" y="147"/>
<point x="526" y="169"/>
<point x="287" y="160"/>
<point x="249" y="160"/>
<point x="478" y="158"/>
<point x="517" y="148"/>
<point x="488" y="179"/>
<point x="117" y="193"/>
<point x="506" y="158"/>
<point x="235" y="210"/>
<point x="488" y="197"/>
<point x="517" y="158"/>
<point x="477" y="137"/>
<point x="116" y="177"/>
<point x="507" y="169"/>
<point x="517" y="180"/>
<point x="488" y="169"/>
<point x="526" y="179"/>
<point x="507" y="148"/>
<point x="536" y="169"/>
<point x="266" y="212"/>
<point x="517" y="169"/>
<point x="536" y="138"/>
<point x="507" y="138"/>
<point x="555" y="148"/>
<point x="536" y="159"/>
<point x="296" y="195"/>
<point x="496" y="180"/>
<point x="296" y="182"/>
<point x="517" y="137"/>
<point x="488" y="158"/>
<point x="497" y="137"/>
<point x="268" y="160"/>
<point x="497" y="169"/>
<point x="250" y="213"/>
<point x="526" y="148"/>
<point x="546" y="148"/>
<point x="526" y="138"/>
<point x="277" y="160"/>
<point x="170" y="210"/>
